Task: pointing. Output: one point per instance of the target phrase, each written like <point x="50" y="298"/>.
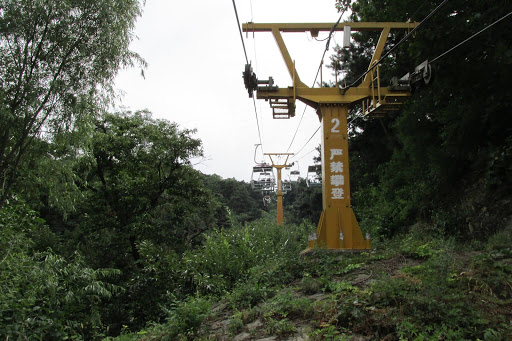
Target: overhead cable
<point x="240" y="29"/>
<point x="411" y="16"/>
<point x="398" y="44"/>
<point x="317" y="72"/>
<point x="303" y="156"/>
<point x="257" y="123"/>
<point x="305" y="144"/>
<point x="247" y="60"/>
<point x="260" y="132"/>
<point x="468" y="39"/>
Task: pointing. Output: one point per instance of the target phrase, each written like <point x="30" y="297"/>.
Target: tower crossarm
<point x="315" y="96"/>
<point x="326" y="27"/>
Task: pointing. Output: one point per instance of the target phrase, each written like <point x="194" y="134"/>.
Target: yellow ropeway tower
<point x="338" y="228"/>
<point x="279" y="192"/>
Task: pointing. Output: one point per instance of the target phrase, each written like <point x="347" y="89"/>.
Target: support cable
<point x="257" y="122"/>
<point x="260" y="132"/>
<point x="456" y="46"/>
<point x="316" y="76"/>
<point x="305" y="144"/>
<point x="398" y="44"/>
<point x="468" y="39"/>
<point x="423" y="4"/>
<point x="247" y="60"/>
<point x="240" y="30"/>
<point x="303" y="156"/>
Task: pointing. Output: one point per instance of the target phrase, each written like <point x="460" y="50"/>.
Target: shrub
<point x="42" y="294"/>
<point x="233" y="255"/>
<point x="185" y="318"/>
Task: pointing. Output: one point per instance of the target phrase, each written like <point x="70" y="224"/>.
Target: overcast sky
<point x="194" y="76"/>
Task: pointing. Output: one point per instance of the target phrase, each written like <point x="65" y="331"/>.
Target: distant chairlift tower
<point x="338" y="228"/>
<point x="279" y="167"/>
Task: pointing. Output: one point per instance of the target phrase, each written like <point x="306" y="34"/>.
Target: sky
<point x="195" y="62"/>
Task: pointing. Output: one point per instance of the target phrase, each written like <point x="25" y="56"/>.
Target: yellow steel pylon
<point x="279" y="167"/>
<point x="338" y="228"/>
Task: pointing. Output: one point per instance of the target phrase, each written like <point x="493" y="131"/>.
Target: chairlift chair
<point x="294" y="176"/>
<point x="262" y="178"/>
<point x="313" y="178"/>
<point x="287" y="186"/>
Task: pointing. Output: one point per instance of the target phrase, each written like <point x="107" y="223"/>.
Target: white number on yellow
<point x="336" y="122"/>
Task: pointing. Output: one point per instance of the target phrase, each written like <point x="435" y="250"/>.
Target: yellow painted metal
<point x="338" y="228"/>
<point x="316" y="27"/>
<point x="314" y="96"/>
<point x="377" y="54"/>
<point x="290" y="65"/>
<point x="279" y="167"/>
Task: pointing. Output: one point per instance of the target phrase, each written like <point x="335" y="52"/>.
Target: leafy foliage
<point x="414" y="165"/>
<point x="43" y="295"/>
<point x="242" y="203"/>
<point x="236" y="254"/>
<point x="302" y="203"/>
<point x="54" y="56"/>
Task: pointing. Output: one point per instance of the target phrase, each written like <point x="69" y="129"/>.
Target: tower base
<point x="338" y="230"/>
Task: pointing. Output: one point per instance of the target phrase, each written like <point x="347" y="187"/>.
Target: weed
<point x="280" y="328"/>
<point x="186" y="317"/>
<point x="235" y="324"/>
<point x="328" y="332"/>
<point x="285" y="304"/>
<point x="309" y="285"/>
<point x="248" y="294"/>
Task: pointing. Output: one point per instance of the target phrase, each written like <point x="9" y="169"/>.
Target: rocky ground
<point x="263" y="323"/>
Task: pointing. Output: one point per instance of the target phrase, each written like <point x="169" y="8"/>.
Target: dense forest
<point x="108" y="232"/>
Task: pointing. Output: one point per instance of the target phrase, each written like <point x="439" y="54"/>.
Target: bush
<point x="234" y="255"/>
<point x="42" y="294"/>
<point x="186" y="317"/>
<point x="248" y="294"/>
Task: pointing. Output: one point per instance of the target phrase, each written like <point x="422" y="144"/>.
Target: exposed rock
<point x="254" y="325"/>
<point x="242" y="337"/>
<point x="219" y="325"/>
<point x="318" y="297"/>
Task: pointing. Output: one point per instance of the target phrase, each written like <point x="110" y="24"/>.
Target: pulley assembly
<point x="251" y="81"/>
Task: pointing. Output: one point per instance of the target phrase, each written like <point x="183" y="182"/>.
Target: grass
<point x="417" y="287"/>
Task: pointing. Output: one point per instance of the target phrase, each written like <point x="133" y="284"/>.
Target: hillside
<point x="108" y="232"/>
<point x="417" y="287"/>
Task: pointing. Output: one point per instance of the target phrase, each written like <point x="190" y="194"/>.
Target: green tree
<point x="136" y="173"/>
<point x="141" y="204"/>
<point x="55" y="58"/>
<point x="42" y="294"/>
<point x="414" y="164"/>
<point x="244" y="204"/>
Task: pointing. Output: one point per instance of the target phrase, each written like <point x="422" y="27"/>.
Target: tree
<point x="135" y="166"/>
<point x="42" y="294"/>
<point x="415" y="165"/>
<point x="139" y="205"/>
<point x="244" y="204"/>
<point x="55" y="57"/>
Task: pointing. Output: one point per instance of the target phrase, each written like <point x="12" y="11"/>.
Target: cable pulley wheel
<point x="250" y="80"/>
<point x="427" y="74"/>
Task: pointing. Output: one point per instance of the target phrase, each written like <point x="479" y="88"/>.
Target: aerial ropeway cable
<point x="317" y="73"/>
<point x="248" y="63"/>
